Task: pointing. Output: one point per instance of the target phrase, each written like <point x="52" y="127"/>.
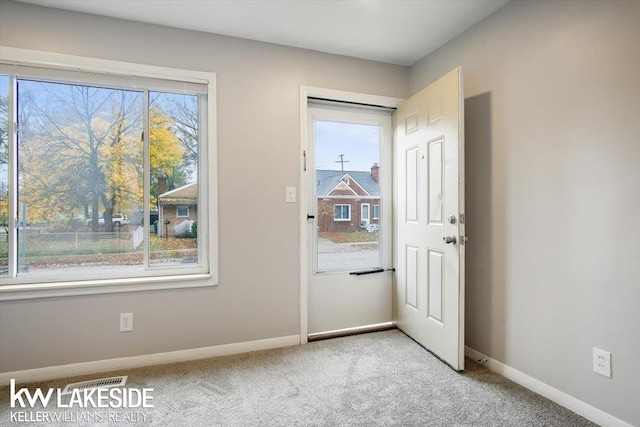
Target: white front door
<point x="429" y="218"/>
<point x="364" y="215"/>
<point x="348" y="170"/>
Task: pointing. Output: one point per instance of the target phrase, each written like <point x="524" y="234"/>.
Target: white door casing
<point x="429" y="185"/>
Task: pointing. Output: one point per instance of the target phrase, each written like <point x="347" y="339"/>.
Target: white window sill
<point x="92" y="287"/>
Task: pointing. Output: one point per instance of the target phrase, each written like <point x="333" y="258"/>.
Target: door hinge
<point x="304" y="157"/>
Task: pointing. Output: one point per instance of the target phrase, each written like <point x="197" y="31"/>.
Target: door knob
<point x="449" y="239"/>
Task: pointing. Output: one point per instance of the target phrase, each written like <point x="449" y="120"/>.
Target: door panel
<point x="411" y="168"/>
<point x="429" y="151"/>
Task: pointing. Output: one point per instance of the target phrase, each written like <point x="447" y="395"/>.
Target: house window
<point x="182" y="211"/>
<point x="342" y="212"/>
<point x="84" y="167"/>
<point x="376" y="211"/>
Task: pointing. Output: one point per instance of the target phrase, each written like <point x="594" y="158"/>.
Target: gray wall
<point x="258" y="149"/>
<point x="553" y="191"/>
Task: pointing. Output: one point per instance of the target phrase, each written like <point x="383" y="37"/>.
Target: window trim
<point x="341" y="205"/>
<point x="208" y="174"/>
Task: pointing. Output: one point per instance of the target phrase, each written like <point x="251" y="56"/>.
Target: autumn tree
<point x="166" y="153"/>
<point x="69" y="150"/>
<point x="83" y="150"/>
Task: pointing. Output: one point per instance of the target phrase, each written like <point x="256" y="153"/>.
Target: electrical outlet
<point x="126" y="322"/>
<point x="602" y="362"/>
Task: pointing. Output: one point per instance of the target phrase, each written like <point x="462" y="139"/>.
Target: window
<point x="182" y="211"/>
<point x="89" y="167"/>
<point x="376" y="211"/>
<point x="342" y="212"/>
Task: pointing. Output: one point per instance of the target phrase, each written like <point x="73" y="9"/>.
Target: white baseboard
<point x="561" y="398"/>
<point x="62" y="371"/>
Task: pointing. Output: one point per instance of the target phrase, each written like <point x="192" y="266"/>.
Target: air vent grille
<point x="100" y="383"/>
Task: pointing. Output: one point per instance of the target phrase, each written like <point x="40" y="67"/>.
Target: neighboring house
<point x="177" y="206"/>
<point x="348" y="200"/>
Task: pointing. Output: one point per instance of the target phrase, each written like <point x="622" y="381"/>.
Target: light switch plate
<point x="290" y="195"/>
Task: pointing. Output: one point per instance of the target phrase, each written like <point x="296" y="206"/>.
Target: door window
<point x="347" y="159"/>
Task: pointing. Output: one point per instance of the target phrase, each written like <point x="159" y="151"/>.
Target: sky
<point x="358" y="142"/>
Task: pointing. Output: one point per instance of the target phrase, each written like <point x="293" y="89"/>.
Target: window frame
<point x="341" y="205"/>
<point x="205" y="274"/>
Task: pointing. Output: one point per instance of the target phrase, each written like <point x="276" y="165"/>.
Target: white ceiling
<point x="393" y="31"/>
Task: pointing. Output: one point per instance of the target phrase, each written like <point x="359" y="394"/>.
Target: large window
<point x="97" y="173"/>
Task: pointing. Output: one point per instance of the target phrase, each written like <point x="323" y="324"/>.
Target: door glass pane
<point x="4" y="177"/>
<point x="173" y="155"/>
<point x="347" y="184"/>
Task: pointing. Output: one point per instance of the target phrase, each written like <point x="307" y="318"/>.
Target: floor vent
<point x="101" y="383"/>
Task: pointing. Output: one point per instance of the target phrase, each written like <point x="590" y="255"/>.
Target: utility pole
<point x="342" y="161"/>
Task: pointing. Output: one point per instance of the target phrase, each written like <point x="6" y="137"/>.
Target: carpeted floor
<point x="376" y="379"/>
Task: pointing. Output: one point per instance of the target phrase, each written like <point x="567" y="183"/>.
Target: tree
<point x="83" y="150"/>
<point x="4" y="124"/>
<point x="184" y="111"/>
<point x="80" y="149"/>
<point x="166" y="153"/>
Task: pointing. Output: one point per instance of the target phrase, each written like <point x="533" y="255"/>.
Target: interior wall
<point x="258" y="296"/>
<point x="553" y="191"/>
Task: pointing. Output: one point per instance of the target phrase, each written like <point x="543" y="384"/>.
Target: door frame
<point x="307" y="92"/>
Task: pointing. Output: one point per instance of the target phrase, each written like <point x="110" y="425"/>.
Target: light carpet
<point x="376" y="379"/>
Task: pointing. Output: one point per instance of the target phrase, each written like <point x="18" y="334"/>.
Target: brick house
<point x="348" y="201"/>
<point x="177" y="206"/>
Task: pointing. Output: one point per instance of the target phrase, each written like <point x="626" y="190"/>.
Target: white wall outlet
<point x="126" y="322"/>
<point x="291" y="195"/>
<point x="602" y="362"/>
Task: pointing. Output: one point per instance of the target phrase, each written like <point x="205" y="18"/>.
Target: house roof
<point x="186" y="193"/>
<point x="327" y="180"/>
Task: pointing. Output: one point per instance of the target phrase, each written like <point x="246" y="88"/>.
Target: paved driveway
<point x="346" y="256"/>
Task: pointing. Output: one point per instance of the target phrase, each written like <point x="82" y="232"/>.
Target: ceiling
<point x="393" y="31"/>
